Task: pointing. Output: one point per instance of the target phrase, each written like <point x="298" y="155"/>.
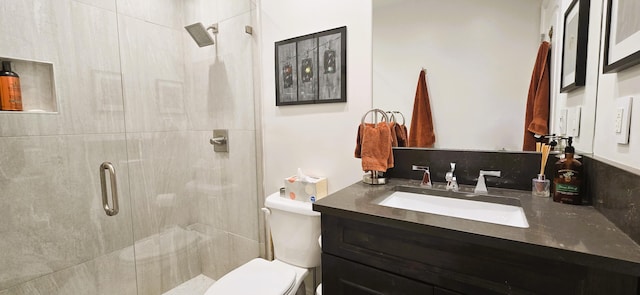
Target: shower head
<point x="199" y="33"/>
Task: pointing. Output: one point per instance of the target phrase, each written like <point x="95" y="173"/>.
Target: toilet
<point x="295" y="229"/>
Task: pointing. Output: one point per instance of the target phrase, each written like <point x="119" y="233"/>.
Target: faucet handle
<point x="426" y="177"/>
<point x="481" y="187"/>
<point x="419" y="167"/>
<point x="495" y="173"/>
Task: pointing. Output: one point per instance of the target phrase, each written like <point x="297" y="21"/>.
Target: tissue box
<point x="308" y="190"/>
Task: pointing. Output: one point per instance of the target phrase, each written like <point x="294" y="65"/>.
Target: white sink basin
<point x="460" y="208"/>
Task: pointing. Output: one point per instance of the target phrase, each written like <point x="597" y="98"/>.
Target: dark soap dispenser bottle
<point x="10" y="93"/>
<point x="567" y="182"/>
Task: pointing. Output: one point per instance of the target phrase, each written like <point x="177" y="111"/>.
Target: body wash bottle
<point x="567" y="183"/>
<point x="10" y="93"/>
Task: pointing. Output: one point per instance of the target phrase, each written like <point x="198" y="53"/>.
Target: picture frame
<point x="574" y="46"/>
<point x="312" y="68"/>
<point x="622" y="36"/>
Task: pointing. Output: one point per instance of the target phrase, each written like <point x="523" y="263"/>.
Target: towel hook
<point x="375" y="111"/>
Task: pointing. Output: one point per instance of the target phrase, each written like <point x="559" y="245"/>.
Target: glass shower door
<point x="121" y="81"/>
<point x="55" y="237"/>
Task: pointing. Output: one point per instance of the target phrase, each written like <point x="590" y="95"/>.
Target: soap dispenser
<point x="567" y="182"/>
<point x="10" y="94"/>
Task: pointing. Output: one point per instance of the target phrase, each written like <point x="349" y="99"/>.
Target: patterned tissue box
<point x="310" y="189"/>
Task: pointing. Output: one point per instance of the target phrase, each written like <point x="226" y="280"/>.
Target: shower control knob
<point x="218" y="140"/>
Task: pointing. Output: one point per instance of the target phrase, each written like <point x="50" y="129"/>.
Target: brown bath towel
<point x="401" y="135"/>
<point x="373" y="145"/>
<point x="394" y="136"/>
<point x="537" y="115"/>
<point x="421" y="131"/>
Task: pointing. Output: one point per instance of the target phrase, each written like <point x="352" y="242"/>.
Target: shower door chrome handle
<point x="111" y="211"/>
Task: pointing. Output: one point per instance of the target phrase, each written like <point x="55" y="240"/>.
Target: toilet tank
<point x="295" y="229"/>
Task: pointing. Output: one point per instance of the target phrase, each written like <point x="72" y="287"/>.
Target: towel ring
<point x="392" y="118"/>
<point x="401" y="115"/>
<point x="384" y="115"/>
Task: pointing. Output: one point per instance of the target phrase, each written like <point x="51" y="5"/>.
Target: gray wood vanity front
<point x="373" y="249"/>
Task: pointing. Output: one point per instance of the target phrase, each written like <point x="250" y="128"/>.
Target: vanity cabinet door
<point x="452" y="264"/>
<point x="341" y="276"/>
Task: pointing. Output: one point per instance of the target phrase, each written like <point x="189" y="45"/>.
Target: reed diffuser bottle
<point x="540" y="185"/>
<point x="567" y="182"/>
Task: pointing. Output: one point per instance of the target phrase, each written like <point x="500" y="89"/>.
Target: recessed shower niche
<point x="37" y="86"/>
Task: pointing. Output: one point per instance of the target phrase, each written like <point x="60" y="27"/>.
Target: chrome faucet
<point x="450" y="177"/>
<point x="426" y="177"/>
<point x="481" y="187"/>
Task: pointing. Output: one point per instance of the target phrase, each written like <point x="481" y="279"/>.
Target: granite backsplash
<point x="615" y="192"/>
<point x="517" y="168"/>
<point x="611" y="190"/>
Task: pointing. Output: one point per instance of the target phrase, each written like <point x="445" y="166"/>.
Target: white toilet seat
<point x="257" y="276"/>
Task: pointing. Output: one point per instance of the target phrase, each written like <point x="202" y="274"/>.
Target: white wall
<point x="320" y="138"/>
<point x="597" y="97"/>
<point x="479" y="56"/>
<point x="552" y="17"/>
<point x="583" y="97"/>
<point x="612" y="86"/>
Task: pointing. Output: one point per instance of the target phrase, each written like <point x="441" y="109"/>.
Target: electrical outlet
<point x="623" y="119"/>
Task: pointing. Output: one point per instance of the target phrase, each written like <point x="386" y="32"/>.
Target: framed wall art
<point x="622" y="35"/>
<point x="574" y="46"/>
<point x="312" y="68"/>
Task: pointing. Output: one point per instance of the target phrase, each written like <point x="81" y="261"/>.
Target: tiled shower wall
<point x="128" y="65"/>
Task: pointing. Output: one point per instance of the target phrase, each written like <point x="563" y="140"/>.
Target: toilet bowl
<point x="295" y="229"/>
<point x="260" y="276"/>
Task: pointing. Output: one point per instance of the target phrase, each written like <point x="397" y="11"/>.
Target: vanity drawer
<point x="350" y="278"/>
<point x="452" y="264"/>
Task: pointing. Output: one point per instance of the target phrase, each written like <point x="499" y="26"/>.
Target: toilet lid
<point x="257" y="276"/>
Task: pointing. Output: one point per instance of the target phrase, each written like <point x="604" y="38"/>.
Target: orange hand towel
<point x="374" y="147"/>
<point x="537" y="115"/>
<point x="421" y="131"/>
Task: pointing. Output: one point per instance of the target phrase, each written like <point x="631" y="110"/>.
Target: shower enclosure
<point x="122" y="82"/>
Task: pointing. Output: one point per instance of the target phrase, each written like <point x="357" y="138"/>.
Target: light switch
<point x="573" y="121"/>
<point x="619" y="114"/>
<point x="563" y="122"/>
<point x="623" y="119"/>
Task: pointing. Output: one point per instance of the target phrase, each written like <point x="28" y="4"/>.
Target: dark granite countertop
<point x="576" y="234"/>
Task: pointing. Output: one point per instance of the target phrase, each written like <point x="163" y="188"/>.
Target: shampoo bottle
<point x="10" y="93"/>
<point x="567" y="183"/>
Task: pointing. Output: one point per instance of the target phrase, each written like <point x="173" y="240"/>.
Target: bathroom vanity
<point x="369" y="248"/>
